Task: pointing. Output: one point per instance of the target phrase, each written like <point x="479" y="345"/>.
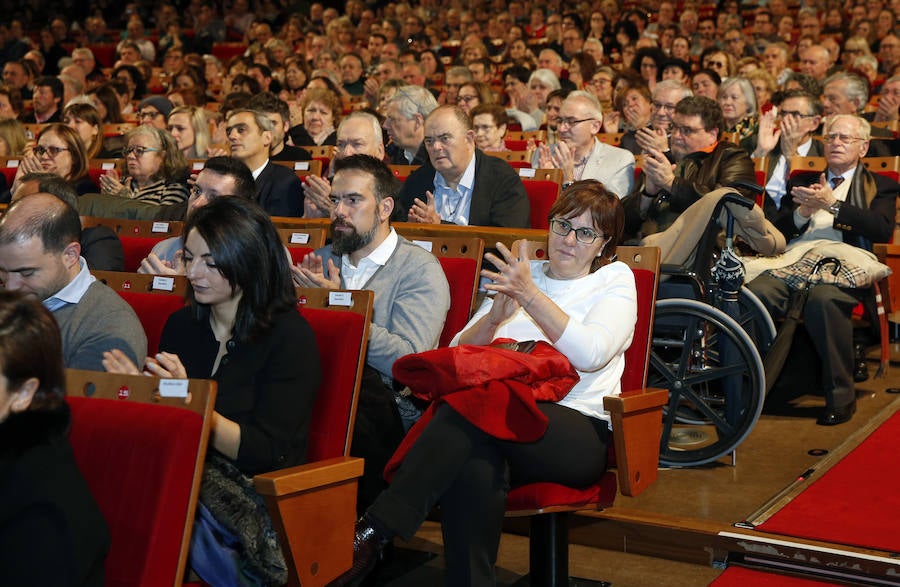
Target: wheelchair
<point x="709" y="334"/>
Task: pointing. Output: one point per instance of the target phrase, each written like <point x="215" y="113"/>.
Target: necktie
<point x="836" y="181"/>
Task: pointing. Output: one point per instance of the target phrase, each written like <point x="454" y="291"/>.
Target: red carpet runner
<point x="856" y="502"/>
<point x="741" y="577"/>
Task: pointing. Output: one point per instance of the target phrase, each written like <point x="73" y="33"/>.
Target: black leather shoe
<point x="835" y="416"/>
<point x="368" y="546"/>
<point x="860" y="365"/>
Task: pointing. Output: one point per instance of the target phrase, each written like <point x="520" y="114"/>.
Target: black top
<point x="301" y="138"/>
<point x="267" y="386"/>
<point x="292" y="153"/>
<point x="86" y="185"/>
<point x="51" y="530"/>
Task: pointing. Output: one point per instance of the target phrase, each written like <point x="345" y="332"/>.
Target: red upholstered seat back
<point x="636" y="357"/>
<point x="139" y="463"/>
<point x="136" y="248"/>
<point x="460" y="273"/>
<point x="541" y="196"/>
<point x="152" y="309"/>
<point x="338" y="336"/>
<point x="297" y="253"/>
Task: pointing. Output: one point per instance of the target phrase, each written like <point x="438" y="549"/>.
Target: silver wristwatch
<point x="834" y="207"/>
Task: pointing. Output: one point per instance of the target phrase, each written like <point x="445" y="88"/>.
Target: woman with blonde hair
<point x="189" y="126"/>
<point x="12" y="138"/>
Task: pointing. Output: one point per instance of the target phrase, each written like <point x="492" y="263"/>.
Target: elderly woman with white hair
<point x="541" y="83"/>
<point x="738" y="102"/>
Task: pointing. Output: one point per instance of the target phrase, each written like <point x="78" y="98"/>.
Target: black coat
<point x="51" y="530"/>
<point x="267" y="386"/>
<point x="279" y="191"/>
<point x="498" y="196"/>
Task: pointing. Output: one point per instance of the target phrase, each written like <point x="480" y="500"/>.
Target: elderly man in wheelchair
<point x="844" y="203"/>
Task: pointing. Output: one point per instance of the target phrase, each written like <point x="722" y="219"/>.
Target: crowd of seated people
<point x="661" y="103"/>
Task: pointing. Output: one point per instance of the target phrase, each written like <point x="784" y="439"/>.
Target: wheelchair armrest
<point x="637" y="427"/>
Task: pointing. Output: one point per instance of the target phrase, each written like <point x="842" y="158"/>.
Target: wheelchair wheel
<point x="715" y="379"/>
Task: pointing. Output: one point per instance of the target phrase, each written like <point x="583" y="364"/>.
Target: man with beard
<point x="411" y="301"/>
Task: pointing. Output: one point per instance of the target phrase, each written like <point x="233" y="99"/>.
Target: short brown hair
<point x="605" y="208"/>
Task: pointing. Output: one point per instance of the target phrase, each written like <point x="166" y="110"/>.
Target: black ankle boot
<point x="368" y="545"/>
<point x="860" y="365"/>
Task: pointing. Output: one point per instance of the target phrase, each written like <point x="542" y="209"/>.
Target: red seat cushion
<point x="536" y="496"/>
<point x="138" y="460"/>
<point x="335" y="331"/>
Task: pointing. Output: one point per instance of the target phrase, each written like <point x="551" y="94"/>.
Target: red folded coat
<point x="494" y="388"/>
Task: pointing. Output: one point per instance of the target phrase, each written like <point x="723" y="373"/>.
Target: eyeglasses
<point x="714" y="64"/>
<point x="660" y="106"/>
<point x="570" y="122"/>
<point x="786" y="113"/>
<point x="686" y="130"/>
<point x="138" y="151"/>
<point x="835" y="137"/>
<point x="149" y="114"/>
<point x="584" y="235"/>
<point x="41" y="150"/>
<point x="466" y="99"/>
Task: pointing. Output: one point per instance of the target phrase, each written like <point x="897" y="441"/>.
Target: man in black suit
<point x="250" y="133"/>
<point x="459" y="184"/>
<point x="843" y="203"/>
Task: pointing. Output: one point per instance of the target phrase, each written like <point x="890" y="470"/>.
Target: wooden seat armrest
<point x="309" y="476"/>
<point x="313" y="510"/>
<point x="637" y="425"/>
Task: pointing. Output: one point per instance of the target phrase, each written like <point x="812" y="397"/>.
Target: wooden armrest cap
<point x="636" y="400"/>
<point x="308" y="476"/>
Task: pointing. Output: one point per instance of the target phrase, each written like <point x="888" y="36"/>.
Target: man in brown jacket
<point x="703" y="163"/>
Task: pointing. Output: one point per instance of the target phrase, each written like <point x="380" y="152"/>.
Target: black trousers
<point x="469" y="472"/>
<point x="827" y="318"/>
<point x="376" y="435"/>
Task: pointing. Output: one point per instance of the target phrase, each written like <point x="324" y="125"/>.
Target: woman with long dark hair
<point x="242" y="329"/>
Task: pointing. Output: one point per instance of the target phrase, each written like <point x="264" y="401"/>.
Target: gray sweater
<point x="411" y="302"/>
<point x="100" y="322"/>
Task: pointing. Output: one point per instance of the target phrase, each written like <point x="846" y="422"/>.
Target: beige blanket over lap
<point x="679" y="241"/>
